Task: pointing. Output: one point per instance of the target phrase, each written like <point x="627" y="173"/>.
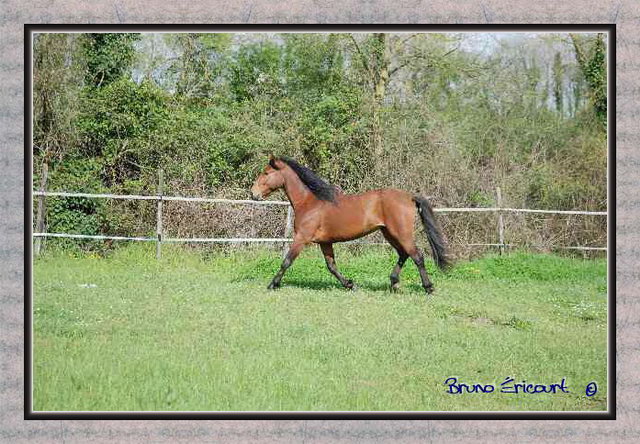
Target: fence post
<point x="159" y="215"/>
<point x="288" y="228"/>
<point x="40" y="213"/>
<point x="500" y="221"/>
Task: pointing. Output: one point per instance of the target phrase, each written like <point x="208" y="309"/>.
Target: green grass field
<point x="128" y="333"/>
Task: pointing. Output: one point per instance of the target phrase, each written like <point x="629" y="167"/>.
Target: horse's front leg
<point x="327" y="250"/>
<point x="293" y="253"/>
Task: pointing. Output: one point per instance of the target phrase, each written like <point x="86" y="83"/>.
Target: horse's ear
<point x="272" y="161"/>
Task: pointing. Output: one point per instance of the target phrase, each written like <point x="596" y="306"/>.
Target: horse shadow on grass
<point x="317" y="284"/>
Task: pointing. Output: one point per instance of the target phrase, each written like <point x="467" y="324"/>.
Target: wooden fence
<point x="160" y="198"/>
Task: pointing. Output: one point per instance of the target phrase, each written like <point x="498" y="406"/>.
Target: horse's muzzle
<point x="255" y="196"/>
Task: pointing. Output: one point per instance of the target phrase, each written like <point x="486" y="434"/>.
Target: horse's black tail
<point x="438" y="248"/>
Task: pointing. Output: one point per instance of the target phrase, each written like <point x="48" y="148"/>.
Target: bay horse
<point x="324" y="215"/>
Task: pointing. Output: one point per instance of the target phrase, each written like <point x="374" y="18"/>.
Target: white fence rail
<point x="161" y="239"/>
<point x="159" y="197"/>
<point x="281" y="202"/>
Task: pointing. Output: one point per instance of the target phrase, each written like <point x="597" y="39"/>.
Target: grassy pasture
<point x="189" y="333"/>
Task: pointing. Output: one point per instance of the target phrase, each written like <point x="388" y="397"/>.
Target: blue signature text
<point x="455" y="387"/>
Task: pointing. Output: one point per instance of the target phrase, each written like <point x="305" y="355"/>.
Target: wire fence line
<point x="265" y="239"/>
<point x="159" y="238"/>
<point x="282" y="202"/>
<point x="187" y="239"/>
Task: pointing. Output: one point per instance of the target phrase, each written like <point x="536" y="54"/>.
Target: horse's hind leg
<point x="395" y="274"/>
<point x="402" y="258"/>
<point x="418" y="258"/>
<point x="327" y="250"/>
<point x="408" y="244"/>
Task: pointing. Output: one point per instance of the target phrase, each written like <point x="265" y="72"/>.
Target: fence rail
<point x="160" y="198"/>
<point x="269" y="240"/>
<point x="282" y="202"/>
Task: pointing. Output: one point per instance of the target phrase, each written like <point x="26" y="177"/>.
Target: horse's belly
<point x="346" y="227"/>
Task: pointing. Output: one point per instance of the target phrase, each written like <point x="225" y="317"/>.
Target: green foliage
<point x="198" y="63"/>
<point x="108" y="56"/>
<point x="121" y="110"/>
<point x="558" y="89"/>
<point x="77" y="215"/>
<point x="256" y="71"/>
<point x="327" y="126"/>
<point x="480" y="199"/>
<point x="229" y="152"/>
<point x="314" y="65"/>
<point x="417" y="112"/>
<point x="57" y="83"/>
<point x="595" y="71"/>
<point x="591" y="56"/>
<point x="117" y="122"/>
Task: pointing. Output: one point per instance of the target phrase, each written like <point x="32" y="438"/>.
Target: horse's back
<point x="396" y="196"/>
<point x="356" y="215"/>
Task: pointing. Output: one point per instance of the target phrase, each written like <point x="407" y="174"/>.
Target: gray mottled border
<point x="626" y="15"/>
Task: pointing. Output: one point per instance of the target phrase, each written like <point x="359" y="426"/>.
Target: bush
<point x="76" y="215"/>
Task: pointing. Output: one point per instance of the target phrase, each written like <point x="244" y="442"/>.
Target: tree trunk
<point x="558" y="87"/>
<point x="381" y="67"/>
<point x="41" y="208"/>
<point x="380" y="80"/>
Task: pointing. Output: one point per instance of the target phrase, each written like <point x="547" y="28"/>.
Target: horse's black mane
<point x="321" y="189"/>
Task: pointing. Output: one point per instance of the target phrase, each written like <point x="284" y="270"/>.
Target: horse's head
<point x="269" y="180"/>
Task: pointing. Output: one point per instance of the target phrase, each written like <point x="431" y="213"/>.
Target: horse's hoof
<point x="273" y="286"/>
<point x="351" y="286"/>
<point x="429" y="289"/>
<point x="395" y="288"/>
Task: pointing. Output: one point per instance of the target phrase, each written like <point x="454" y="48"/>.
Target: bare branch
<point x="362" y="56"/>
<point x="400" y="66"/>
<point x="419" y="55"/>
<point x="449" y="52"/>
<point x="409" y="38"/>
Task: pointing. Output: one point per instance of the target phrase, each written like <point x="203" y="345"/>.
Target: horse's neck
<point x="297" y="192"/>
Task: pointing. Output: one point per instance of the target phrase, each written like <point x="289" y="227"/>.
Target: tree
<point x="591" y="56"/>
<point x="385" y="56"/>
<point x="558" y="89"/>
<point x="57" y="82"/>
<point x="255" y="69"/>
<point x="108" y="56"/>
<point x="196" y="66"/>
